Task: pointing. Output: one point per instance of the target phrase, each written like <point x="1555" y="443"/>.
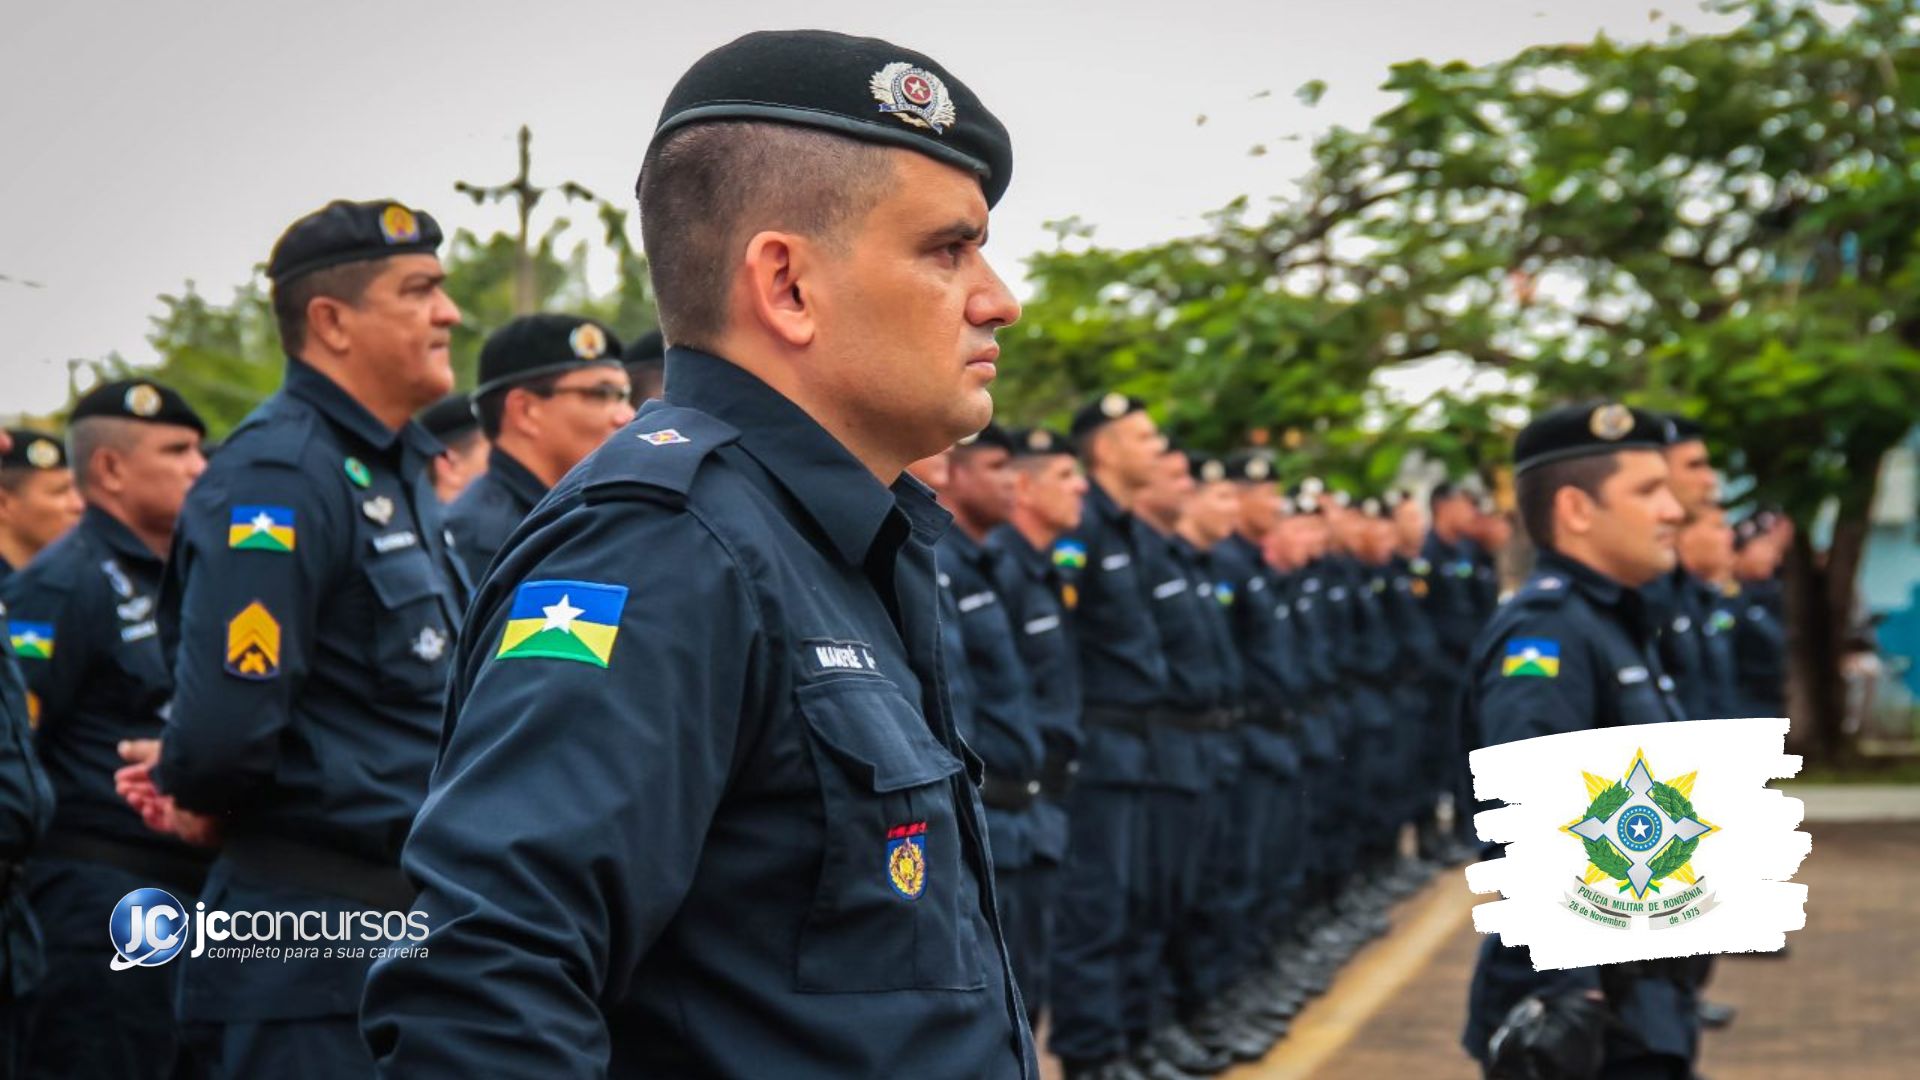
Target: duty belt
<point x="312" y="868"/>
<point x="1133" y="721"/>
<point x="183" y="870"/>
<point x="1057" y="775"/>
<point x="1275" y="718"/>
<point x="1005" y="793"/>
<point x="1201" y="719"/>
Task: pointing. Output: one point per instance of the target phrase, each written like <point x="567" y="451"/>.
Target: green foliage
<point x="1671" y="803"/>
<point x="1604" y="804"/>
<point x="1671" y="858"/>
<point x="1607" y="859"/>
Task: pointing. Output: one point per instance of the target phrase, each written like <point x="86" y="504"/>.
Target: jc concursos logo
<point x="148" y="927"/>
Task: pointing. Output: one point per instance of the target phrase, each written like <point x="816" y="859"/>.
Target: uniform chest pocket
<point x="896" y="901"/>
<point x="411" y="639"/>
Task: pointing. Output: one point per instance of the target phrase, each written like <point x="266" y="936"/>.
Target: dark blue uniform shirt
<point x="490" y="509"/>
<point x="1759" y="652"/>
<point x="1031" y="587"/>
<point x="105" y="677"/>
<point x="1452" y="602"/>
<point x="26" y="809"/>
<point x="702" y="809"/>
<point x="1003" y="734"/>
<point x="1260" y="622"/>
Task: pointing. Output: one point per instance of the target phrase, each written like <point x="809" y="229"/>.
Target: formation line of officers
<point x="803" y="722"/>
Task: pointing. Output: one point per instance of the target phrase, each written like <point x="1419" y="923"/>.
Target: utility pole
<point x="525" y="197"/>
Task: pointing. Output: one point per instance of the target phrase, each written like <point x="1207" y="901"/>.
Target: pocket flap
<point x="399" y="580"/>
<point x="872" y="729"/>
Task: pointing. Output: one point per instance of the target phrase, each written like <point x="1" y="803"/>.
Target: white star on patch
<point x="560" y="616"/>
<point x="262" y="523"/>
<point x="1640" y="829"/>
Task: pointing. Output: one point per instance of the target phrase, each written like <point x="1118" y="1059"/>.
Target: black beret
<point x="863" y="88"/>
<point x="1102" y="411"/>
<point x="138" y="399"/>
<point x="1039" y="442"/>
<point x="1574" y="431"/>
<point x="1683" y="429"/>
<point x="1207" y="469"/>
<point x="535" y="345"/>
<point x="343" y="232"/>
<point x="450" y="417"/>
<point x="648" y="346"/>
<point x="991" y="437"/>
<point x="34" y="450"/>
<point x="1249" y="467"/>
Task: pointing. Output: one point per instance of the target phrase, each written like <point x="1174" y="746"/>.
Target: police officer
<point x="980" y="494"/>
<point x="551" y="390"/>
<point x="310" y="603"/>
<point x="717" y="637"/>
<point x="1432" y="743"/>
<point x="1415" y="667"/>
<point x="38" y="499"/>
<point x="26" y="809"/>
<point x="1705" y="550"/>
<point x="1124" y="682"/>
<point x="98" y="676"/>
<point x="1759" y="637"/>
<point x="463" y="456"/>
<point x="1048" y="489"/>
<point x="1454" y="609"/>
<point x="1574" y="649"/>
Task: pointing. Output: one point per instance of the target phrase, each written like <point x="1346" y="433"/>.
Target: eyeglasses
<point x="604" y="393"/>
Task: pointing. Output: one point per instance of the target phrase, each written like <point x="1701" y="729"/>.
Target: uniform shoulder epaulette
<point x="270" y="437"/>
<point x="1545" y="590"/>
<point x="659" y="452"/>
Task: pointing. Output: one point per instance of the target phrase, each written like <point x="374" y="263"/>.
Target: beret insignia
<point x="1212" y="472"/>
<point x="1039" y="441"/>
<point x="588" y="341"/>
<point x="1113" y="406"/>
<point x="1258" y="469"/>
<point x="398" y="225"/>
<point x="42" y="454"/>
<point x="143" y="400"/>
<point x="914" y="95"/>
<point x="1611" y="422"/>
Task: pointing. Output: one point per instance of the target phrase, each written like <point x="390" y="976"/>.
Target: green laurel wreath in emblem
<point x="1600" y="853"/>
<point x="1678" y="808"/>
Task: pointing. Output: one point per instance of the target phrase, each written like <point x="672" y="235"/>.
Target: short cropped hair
<point x="707" y="188"/>
<point x="346" y="283"/>
<point x="1534" y="490"/>
<point x="91" y="434"/>
<point x="491" y="407"/>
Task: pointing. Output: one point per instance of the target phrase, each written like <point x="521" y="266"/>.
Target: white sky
<point x="147" y="144"/>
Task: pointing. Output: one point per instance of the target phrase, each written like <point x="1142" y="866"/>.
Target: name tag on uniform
<point x="825" y="656"/>
<point x="1042" y="624"/>
<point x="1116" y="562"/>
<point x="976" y="601"/>
<point x="1632" y="676"/>
<point x="395" y="541"/>
<point x="139" y="631"/>
<point x="1169" y="588"/>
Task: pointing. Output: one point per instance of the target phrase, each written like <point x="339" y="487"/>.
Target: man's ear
<point x="777" y="279"/>
<point x="326" y="324"/>
<point x="1573" y="511"/>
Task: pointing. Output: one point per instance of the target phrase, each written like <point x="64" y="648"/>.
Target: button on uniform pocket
<point x="411" y="639"/>
<point x="894" y="906"/>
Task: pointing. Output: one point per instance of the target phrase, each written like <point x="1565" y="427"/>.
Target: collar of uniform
<point x="1599" y="588"/>
<point x="1032" y="561"/>
<point x="115" y="534"/>
<point x="838" y="492"/>
<point x="1102" y="503"/>
<point x="519" y="480"/>
<point x="307" y="383"/>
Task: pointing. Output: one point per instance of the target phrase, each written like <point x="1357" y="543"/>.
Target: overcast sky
<point x="148" y="144"/>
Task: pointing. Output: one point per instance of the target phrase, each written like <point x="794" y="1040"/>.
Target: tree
<point x="1724" y="225"/>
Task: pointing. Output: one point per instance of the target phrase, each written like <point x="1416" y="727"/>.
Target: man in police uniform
<point x="38" y="499"/>
<point x="1454" y="608"/>
<point x="463" y="456"/>
<point x="26" y="809"/>
<point x="310" y="604"/>
<point x="94" y="666"/>
<point x="1592" y="487"/>
<point x="551" y="391"/>
<point x="702" y="809"/>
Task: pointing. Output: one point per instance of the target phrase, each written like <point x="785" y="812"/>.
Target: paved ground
<point x="1845" y="1001"/>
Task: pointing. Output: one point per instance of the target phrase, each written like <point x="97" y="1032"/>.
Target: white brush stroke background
<point x="1746" y="865"/>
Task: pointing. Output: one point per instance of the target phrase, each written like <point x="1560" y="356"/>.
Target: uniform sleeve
<point x="239" y="610"/>
<point x="1536" y="676"/>
<point x="568" y="813"/>
<point x="26" y="798"/>
<point x="54" y="610"/>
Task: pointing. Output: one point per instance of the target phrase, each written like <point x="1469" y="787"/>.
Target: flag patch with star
<point x="261" y="528"/>
<point x="1536" y="657"/>
<point x="563" y="620"/>
<point x="1070" y="555"/>
<point x="32" y="640"/>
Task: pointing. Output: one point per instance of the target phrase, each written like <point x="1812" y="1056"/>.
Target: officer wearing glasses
<point x="552" y="388"/>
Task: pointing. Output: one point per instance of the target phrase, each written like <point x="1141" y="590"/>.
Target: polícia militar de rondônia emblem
<point x="915" y="95"/>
